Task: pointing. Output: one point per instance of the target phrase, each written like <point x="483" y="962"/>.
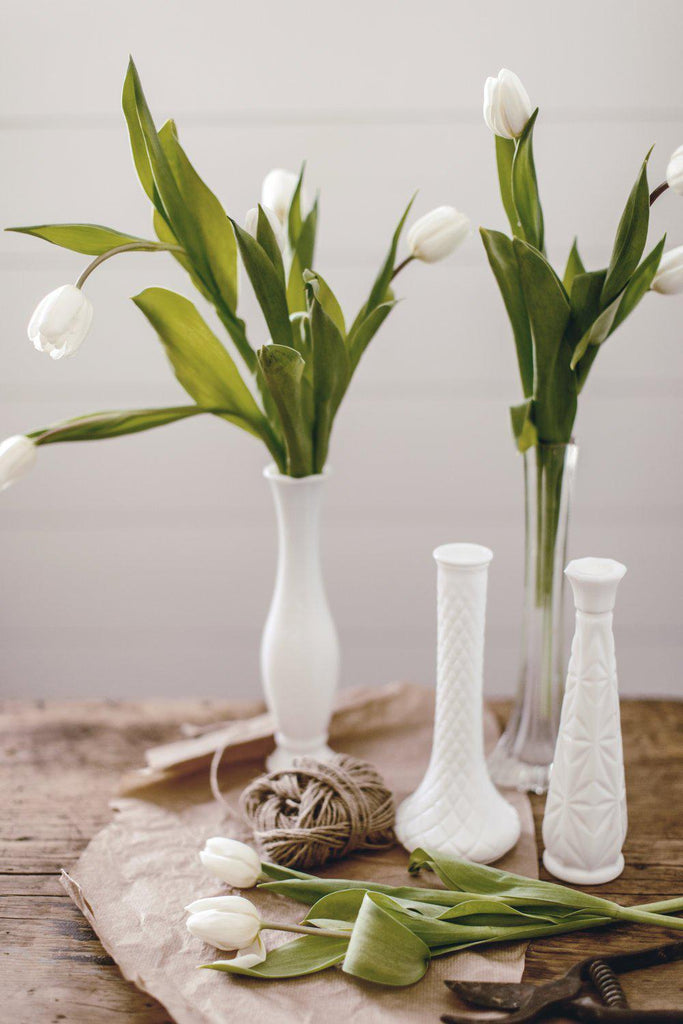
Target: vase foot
<point x="481" y="828"/>
<point x="583" y="876"/>
<point x="286" y="751"/>
<point x="512" y="772"/>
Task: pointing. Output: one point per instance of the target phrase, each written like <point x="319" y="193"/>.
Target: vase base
<point x="583" y="876"/>
<point x="512" y="772"/>
<point x="285" y="753"/>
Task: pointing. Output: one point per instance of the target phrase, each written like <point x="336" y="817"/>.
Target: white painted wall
<point x="144" y="566"/>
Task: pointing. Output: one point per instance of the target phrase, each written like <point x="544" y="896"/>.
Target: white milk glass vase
<point x="299" y="648"/>
<point x="456" y="809"/>
<point x="524" y="753"/>
<point x="585" y="821"/>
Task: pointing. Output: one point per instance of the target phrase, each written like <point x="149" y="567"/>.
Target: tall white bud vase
<point x="585" y="817"/>
<point x="299" y="649"/>
<point x="456" y="809"/>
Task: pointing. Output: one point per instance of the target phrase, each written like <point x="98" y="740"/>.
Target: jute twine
<point x="305" y="816"/>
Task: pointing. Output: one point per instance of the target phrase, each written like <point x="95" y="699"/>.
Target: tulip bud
<point x="669" y="277"/>
<point x="674" y="171"/>
<point x="231" y="861"/>
<point x="507" y="107"/>
<point x="61" y="322"/>
<point x="226" y="922"/>
<point x="251" y="223"/>
<point x="277" y="191"/>
<point x="17" y="456"/>
<point x="437" y="234"/>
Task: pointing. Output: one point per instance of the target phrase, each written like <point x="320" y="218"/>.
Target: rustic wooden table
<point x="59" y="765"/>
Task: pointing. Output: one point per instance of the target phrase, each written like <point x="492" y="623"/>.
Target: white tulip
<point x="669" y="277"/>
<point x="17" y="456"/>
<point x="674" y="171"/>
<point x="507" y="106"/>
<point x="277" y="191"/>
<point x="226" y="922"/>
<point x="437" y="234"/>
<point x="251" y="223"/>
<point x="231" y="861"/>
<point x="61" y="321"/>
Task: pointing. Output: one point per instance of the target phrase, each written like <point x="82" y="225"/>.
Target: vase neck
<point x="298" y="505"/>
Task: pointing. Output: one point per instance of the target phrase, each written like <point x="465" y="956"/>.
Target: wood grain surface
<point x="59" y="765"/>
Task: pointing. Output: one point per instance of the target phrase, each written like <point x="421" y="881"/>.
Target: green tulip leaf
<point x="266" y="238"/>
<point x="523" y="426"/>
<point x="137" y="139"/>
<point x="525" y="187"/>
<point x="326" y="298"/>
<point x="294" y="215"/>
<point x="283" y="370"/>
<point x="200" y="362"/>
<point x="100" y="426"/>
<point x="210" y="223"/>
<point x="381" y="949"/>
<point x="505" y="154"/>
<point x="306" y="955"/>
<point x="381" y="287"/>
<point x="90" y="239"/>
<point x="630" y="239"/>
<point x="639" y="284"/>
<point x="574" y="266"/>
<point x="302" y="260"/>
<point x="549" y="313"/>
<point x="331" y="372"/>
<point x="268" y="287"/>
<point x="361" y="335"/>
<point x="501" y="256"/>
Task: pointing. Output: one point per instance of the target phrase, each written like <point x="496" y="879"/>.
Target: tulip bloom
<point x="251" y="223"/>
<point x="437" y="234"/>
<point x="277" y="191"/>
<point x="17" y="456"/>
<point x="507" y="106"/>
<point x="669" y="277"/>
<point x="226" y="922"/>
<point x="674" y="172"/>
<point x="231" y="861"/>
<point x="61" y="322"/>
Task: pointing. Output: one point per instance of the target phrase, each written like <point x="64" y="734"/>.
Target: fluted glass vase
<point x="524" y="753"/>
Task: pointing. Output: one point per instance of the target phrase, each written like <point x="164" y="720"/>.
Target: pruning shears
<point x="571" y="996"/>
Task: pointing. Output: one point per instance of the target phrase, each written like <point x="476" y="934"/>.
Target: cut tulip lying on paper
<point x="389" y="934"/>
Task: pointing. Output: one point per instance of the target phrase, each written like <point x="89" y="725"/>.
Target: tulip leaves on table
<point x="288" y="391"/>
<point x="389" y="934"/>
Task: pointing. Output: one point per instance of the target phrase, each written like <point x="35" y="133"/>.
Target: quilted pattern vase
<point x="456" y="809"/>
<point x="585" y="817"/>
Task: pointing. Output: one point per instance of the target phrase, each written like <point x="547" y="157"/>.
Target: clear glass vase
<point x="524" y="753"/>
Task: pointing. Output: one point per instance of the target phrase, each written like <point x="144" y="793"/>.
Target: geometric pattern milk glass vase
<point x="456" y="809"/>
<point x="585" y="818"/>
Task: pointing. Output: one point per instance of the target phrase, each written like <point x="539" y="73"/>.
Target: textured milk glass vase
<point x="524" y="753"/>
<point x="585" y="816"/>
<point x="456" y="809"/>
<point x="299" y="649"/>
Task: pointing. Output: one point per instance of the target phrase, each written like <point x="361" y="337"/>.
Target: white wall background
<point x="144" y="566"/>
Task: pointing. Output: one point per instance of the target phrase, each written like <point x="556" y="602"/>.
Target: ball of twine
<point x="315" y="812"/>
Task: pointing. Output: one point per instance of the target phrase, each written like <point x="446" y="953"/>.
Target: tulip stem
<point x="302" y="929"/>
<point x="128" y="247"/>
<point x="399" y="268"/>
<point x="658" y="192"/>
